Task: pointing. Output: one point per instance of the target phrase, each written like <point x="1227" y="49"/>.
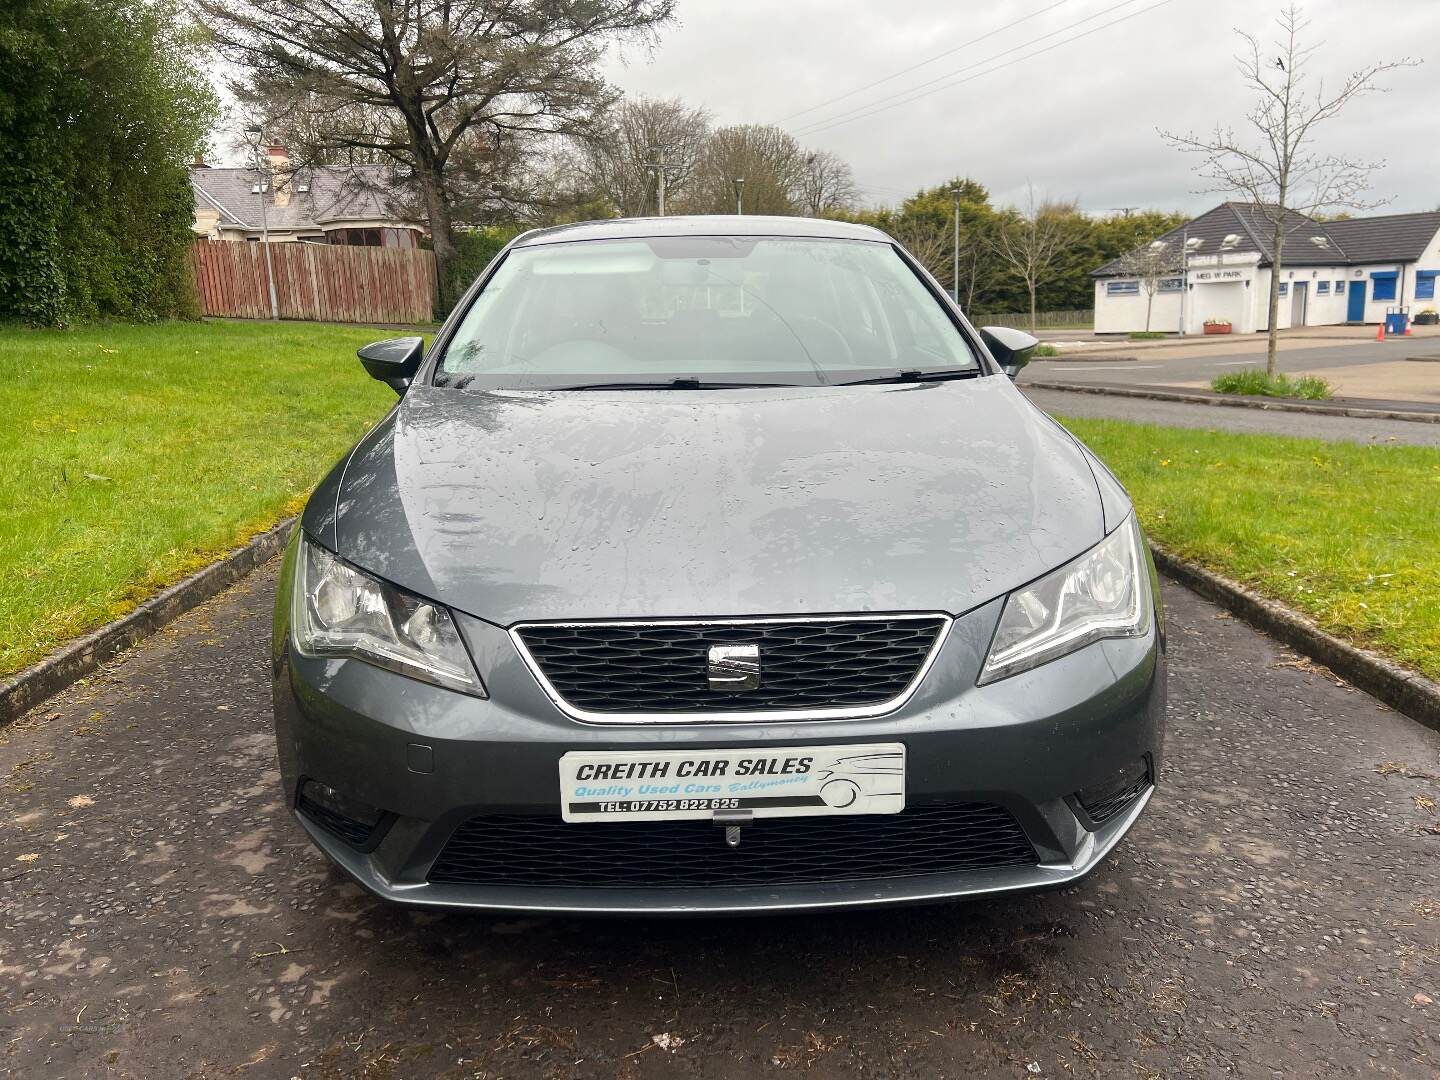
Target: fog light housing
<point x="352" y="820"/>
<point x="1101" y="802"/>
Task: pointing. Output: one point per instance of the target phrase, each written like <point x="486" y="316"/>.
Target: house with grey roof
<point x="1218" y="266"/>
<point x="331" y="204"/>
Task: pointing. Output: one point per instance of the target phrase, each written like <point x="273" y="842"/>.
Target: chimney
<point x="199" y="162"/>
<point x="280" y="175"/>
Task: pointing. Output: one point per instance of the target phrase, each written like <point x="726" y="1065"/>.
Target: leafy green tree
<point x="101" y="106"/>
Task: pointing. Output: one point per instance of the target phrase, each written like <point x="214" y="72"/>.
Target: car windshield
<point x="701" y="309"/>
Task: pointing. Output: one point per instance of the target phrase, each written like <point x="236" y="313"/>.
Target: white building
<point x="1353" y="271"/>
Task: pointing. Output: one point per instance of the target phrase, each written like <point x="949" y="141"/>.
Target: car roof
<point x="702" y="225"/>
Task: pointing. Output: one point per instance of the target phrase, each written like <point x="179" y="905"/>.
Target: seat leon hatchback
<point x="711" y="565"/>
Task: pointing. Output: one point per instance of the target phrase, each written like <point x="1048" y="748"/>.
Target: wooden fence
<point x="329" y="283"/>
<point x="1051" y="320"/>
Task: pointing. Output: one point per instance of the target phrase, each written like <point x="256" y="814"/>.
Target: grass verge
<point x="1343" y="532"/>
<point x="131" y="456"/>
<point x="1258" y="383"/>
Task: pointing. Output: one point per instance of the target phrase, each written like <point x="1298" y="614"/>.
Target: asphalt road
<point x="1208" y="361"/>
<point x="1277" y="913"/>
<point x="1232" y="418"/>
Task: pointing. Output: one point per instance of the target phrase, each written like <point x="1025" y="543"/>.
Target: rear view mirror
<point x="1011" y="348"/>
<point x="394" y="362"/>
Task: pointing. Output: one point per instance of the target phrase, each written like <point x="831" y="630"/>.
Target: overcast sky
<point x="1078" y="121"/>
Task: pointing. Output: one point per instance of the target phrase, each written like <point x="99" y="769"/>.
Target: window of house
<point x="1339" y="286"/>
<point x="1284" y="288"/>
<point x="1382" y="285"/>
<point x="1425" y="284"/>
<point x="356" y="237"/>
<point x="1171" y="284"/>
<point x="1322" y="288"/>
<point x="1122" y="288"/>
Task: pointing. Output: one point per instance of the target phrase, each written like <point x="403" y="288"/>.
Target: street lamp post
<point x="264" y="173"/>
<point x="739" y="195"/>
<point x="661" y="168"/>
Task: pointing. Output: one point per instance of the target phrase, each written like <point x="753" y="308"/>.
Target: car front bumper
<point x="433" y="759"/>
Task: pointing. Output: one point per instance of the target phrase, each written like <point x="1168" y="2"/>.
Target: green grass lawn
<point x="1348" y="534"/>
<point x="131" y="456"/>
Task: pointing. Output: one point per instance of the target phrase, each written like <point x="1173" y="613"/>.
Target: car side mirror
<point x="394" y="362"/>
<point x="1011" y="348"/>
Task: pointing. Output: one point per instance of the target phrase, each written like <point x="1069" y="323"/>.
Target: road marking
<point x="1118" y="367"/>
<point x="1235" y="363"/>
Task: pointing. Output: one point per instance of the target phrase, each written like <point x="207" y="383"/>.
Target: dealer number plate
<point x="681" y="785"/>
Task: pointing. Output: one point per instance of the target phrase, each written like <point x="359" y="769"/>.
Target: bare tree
<point x="461" y="85"/>
<point x="1028" y="241"/>
<point x="928" y="241"/>
<point x="1279" y="169"/>
<point x="615" y="160"/>
<point x="976" y="251"/>
<point x="768" y="159"/>
<point x="1150" y="265"/>
<point x="827" y="184"/>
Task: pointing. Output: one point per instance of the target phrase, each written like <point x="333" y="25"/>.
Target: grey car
<point x="713" y="565"/>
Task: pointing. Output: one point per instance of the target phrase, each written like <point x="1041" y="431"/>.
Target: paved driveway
<point x="1276" y="914"/>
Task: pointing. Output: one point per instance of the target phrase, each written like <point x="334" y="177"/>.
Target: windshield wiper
<point x="918" y="376"/>
<point x="671" y="384"/>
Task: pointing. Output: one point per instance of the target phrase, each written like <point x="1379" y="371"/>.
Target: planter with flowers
<point x="1217" y="326"/>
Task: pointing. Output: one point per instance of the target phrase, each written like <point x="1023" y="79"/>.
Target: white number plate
<point x="679" y="785"/>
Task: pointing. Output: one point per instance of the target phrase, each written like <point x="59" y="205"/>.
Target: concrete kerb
<point x="70" y="664"/>
<point x="1401" y="689"/>
<point x="1241" y="401"/>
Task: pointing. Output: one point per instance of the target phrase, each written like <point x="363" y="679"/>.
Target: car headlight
<point x="340" y="611"/>
<point x="1105" y="593"/>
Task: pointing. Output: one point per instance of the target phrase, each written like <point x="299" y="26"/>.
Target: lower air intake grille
<point x="662" y="667"/>
<point x="1103" y="801"/>
<point x="1102" y="810"/>
<point x="544" y="851"/>
<point x="355" y="833"/>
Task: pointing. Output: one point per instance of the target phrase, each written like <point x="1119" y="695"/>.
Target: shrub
<point x="1255" y="382"/>
<point x="102" y="104"/>
<point x="1147" y="335"/>
<point x="473" y="251"/>
<point x="1043" y="351"/>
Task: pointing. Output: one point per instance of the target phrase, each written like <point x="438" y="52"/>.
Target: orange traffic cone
<point x="1380" y="333"/>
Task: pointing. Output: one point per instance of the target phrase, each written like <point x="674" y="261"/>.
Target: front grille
<point x="544" y="851"/>
<point x="814" y="664"/>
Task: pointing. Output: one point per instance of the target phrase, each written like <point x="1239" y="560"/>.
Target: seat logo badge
<point x="733" y="667"/>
